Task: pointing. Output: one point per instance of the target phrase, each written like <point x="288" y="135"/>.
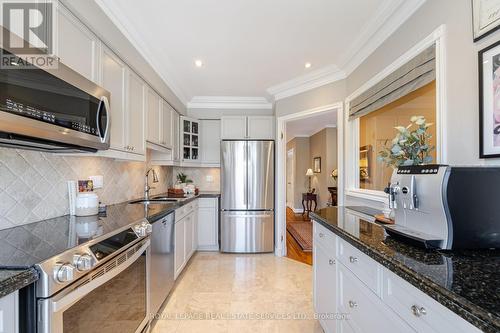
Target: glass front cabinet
<point x="190" y="139"/>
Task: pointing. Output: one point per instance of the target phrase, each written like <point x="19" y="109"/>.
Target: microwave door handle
<point x="104" y="100"/>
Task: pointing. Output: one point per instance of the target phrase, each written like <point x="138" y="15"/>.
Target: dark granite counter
<point x="466" y="282"/>
<point x="24" y="246"/>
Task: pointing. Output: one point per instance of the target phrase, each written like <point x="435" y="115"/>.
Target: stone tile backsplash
<point x="199" y="177"/>
<point x="33" y="184"/>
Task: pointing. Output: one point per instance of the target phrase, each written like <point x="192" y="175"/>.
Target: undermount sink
<point x="154" y="201"/>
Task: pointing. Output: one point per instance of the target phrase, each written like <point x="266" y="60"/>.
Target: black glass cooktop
<point x="103" y="249"/>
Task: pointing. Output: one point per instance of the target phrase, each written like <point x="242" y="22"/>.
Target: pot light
<point x="198" y="63"/>
<point x="307" y="65"/>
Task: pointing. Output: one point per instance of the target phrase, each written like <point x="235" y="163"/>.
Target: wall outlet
<point x="98" y="181"/>
<point x="209" y="179"/>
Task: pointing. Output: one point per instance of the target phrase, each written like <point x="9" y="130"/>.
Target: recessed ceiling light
<point x="307" y="65"/>
<point x="198" y="63"/>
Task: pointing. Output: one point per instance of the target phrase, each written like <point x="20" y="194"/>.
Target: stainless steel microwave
<point x="56" y="110"/>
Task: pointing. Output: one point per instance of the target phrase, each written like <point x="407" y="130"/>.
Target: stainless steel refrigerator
<point x="247" y="198"/>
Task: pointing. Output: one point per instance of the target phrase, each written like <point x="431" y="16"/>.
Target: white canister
<point x="87" y="204"/>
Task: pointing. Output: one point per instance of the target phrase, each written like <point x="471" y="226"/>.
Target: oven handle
<point x="59" y="303"/>
<point x="104" y="100"/>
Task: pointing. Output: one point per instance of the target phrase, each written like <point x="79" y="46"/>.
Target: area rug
<point x="302" y="233"/>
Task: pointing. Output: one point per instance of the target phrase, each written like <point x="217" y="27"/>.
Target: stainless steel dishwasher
<point x="162" y="261"/>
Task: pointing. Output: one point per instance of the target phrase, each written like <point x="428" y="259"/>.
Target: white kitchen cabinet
<point x="77" y="46"/>
<point x="208" y="224"/>
<point x="260" y="127"/>
<point x="9" y="313"/>
<point x="166" y="133"/>
<point x="210" y="143"/>
<point x="176" y="120"/>
<point x="188" y="239"/>
<point x="136" y="92"/>
<point x="234" y="127"/>
<point x="153" y="116"/>
<point x="179" y="246"/>
<point x="190" y="141"/>
<point x="247" y="128"/>
<point x="325" y="287"/>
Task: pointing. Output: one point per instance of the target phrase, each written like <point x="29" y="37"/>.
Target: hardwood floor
<point x="293" y="249"/>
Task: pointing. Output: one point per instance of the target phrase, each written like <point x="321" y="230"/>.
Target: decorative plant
<point x="183" y="178"/>
<point x="410" y="146"/>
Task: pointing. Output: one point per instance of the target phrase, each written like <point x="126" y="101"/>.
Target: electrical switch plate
<point x="209" y="179"/>
<point x="98" y="181"/>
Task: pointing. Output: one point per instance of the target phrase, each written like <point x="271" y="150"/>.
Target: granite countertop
<point x="466" y="282"/>
<point x="24" y="246"/>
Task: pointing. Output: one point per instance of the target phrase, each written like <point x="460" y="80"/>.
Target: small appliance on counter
<point x="446" y="207"/>
<point x="87" y="204"/>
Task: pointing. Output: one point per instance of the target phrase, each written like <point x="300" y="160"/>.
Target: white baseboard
<point x="296" y="210"/>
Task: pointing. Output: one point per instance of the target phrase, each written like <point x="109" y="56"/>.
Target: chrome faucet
<point x="147" y="188"/>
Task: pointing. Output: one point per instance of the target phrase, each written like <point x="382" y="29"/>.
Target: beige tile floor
<point x="240" y="293"/>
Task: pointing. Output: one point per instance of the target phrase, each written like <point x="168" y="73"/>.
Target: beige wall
<point x="323" y="144"/>
<point x="302" y="163"/>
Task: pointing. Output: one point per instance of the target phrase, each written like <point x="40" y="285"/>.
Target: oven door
<point x="112" y="298"/>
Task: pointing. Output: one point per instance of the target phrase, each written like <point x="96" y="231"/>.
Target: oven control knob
<point x="148" y="227"/>
<point x="82" y="262"/>
<point x="63" y="272"/>
<point x="140" y="230"/>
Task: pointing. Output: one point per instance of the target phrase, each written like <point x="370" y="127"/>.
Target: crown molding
<point x="127" y="29"/>
<point x="383" y="24"/>
<point x="229" y="102"/>
<point x="315" y="79"/>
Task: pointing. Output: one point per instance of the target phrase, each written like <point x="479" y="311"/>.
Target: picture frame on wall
<point x="485" y="17"/>
<point x="317" y="165"/>
<point x="489" y="101"/>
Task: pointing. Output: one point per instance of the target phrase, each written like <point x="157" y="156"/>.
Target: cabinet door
<point x="77" y="46"/>
<point x="175" y="131"/>
<point x="234" y="127"/>
<point x="210" y="142"/>
<point x="135" y="111"/>
<point x="325" y="287"/>
<point x="166" y="135"/>
<point x="261" y="127"/>
<point x="9" y="313"/>
<point x="194" y="244"/>
<point x="113" y="76"/>
<point x="188" y="243"/>
<point x="180" y="251"/>
<point x="153" y="102"/>
<point x="208" y="228"/>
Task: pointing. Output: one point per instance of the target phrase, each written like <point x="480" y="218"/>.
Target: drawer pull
<point x="418" y="311"/>
<point x="321" y="235"/>
<point x="331" y="261"/>
<point x="353" y="259"/>
<point x="352" y="304"/>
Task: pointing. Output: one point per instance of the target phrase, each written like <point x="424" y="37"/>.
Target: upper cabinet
<point x="247" y="128"/>
<point x="77" y="46"/>
<point x="190" y="141"/>
<point x="210" y="142"/>
<point x="166" y="121"/>
<point x="136" y="114"/>
<point x="154" y="125"/>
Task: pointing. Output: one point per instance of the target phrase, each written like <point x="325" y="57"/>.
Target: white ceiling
<point x="248" y="46"/>
<point x="308" y="126"/>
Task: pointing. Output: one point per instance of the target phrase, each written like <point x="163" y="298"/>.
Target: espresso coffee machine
<point x="439" y="206"/>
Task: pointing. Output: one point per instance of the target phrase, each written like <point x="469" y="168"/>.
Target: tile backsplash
<point x="33" y="184"/>
<point x="199" y="177"/>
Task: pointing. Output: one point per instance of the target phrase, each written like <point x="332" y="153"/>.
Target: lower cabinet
<point x="208" y="224"/>
<point x="365" y="297"/>
<point x="9" y="315"/>
<point x="185" y="235"/>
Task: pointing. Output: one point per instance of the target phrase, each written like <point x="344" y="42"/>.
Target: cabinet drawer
<point x="422" y="312"/>
<point x="364" y="267"/>
<point x="325" y="238"/>
<point x="182" y="211"/>
<point x="365" y="311"/>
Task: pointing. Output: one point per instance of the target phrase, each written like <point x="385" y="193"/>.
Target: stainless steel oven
<point x="112" y="297"/>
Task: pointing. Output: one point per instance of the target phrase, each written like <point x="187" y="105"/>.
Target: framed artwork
<point x="317" y="165"/>
<point x="489" y="101"/>
<point x="485" y="17"/>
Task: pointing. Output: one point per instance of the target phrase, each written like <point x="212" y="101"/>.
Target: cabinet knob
<point x="331" y="261"/>
<point x="418" y="311"/>
<point x="353" y="259"/>
<point x="353" y="304"/>
<point x="321" y="235"/>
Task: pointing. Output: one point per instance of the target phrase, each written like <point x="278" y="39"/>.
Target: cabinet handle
<point x="353" y="259"/>
<point x="331" y="261"/>
<point x="418" y="311"/>
<point x="321" y="235"/>
<point x="353" y="304"/>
